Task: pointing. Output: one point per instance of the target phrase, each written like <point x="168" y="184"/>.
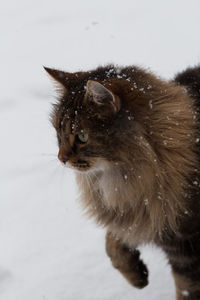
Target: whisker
<point x="48" y="154"/>
<point x="44" y="154"/>
<point x="52" y="176"/>
<point x="61" y="184"/>
<point x="96" y="177"/>
<point x="53" y="160"/>
<point x="90" y="184"/>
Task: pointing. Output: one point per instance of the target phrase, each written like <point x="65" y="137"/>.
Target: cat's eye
<point x="83" y="137"/>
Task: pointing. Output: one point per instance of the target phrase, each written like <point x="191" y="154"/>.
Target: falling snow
<point x="185" y="293"/>
<point x="49" y="250"/>
<point x="165" y="142"/>
<point x="150" y="104"/>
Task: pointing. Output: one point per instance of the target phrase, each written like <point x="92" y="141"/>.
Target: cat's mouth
<point x="80" y="165"/>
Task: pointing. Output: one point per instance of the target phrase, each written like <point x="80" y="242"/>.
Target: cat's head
<point x="91" y="118"/>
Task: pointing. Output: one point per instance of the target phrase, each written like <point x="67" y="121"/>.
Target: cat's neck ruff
<point x="116" y="197"/>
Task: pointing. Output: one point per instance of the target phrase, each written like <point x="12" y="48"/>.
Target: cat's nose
<point x="63" y="155"/>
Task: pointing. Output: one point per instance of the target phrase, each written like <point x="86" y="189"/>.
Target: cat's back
<point x="190" y="78"/>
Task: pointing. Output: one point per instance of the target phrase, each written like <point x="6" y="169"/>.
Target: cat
<point x="132" y="139"/>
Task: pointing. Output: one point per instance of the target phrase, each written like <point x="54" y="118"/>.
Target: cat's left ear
<point x="63" y="79"/>
<point x="102" y="95"/>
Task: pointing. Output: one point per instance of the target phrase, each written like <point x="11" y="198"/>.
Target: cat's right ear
<point x="61" y="78"/>
<point x="103" y="96"/>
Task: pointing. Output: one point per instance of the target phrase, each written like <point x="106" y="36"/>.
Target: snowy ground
<point x="49" y="250"/>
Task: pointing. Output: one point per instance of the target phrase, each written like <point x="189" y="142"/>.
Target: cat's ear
<point x="102" y="95"/>
<point x="63" y="79"/>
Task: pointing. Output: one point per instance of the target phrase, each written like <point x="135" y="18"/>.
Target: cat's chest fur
<point x="117" y="202"/>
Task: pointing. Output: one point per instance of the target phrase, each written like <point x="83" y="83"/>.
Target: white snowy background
<point x="48" y="249"/>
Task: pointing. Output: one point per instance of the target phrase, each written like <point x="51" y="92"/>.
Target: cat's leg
<point x="186" y="288"/>
<point x="186" y="272"/>
<point x="127" y="261"/>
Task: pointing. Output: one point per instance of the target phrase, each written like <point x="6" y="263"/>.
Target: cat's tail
<point x="190" y="78"/>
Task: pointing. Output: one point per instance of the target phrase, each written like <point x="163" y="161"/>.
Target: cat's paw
<point x="142" y="273"/>
<point x="137" y="275"/>
<point x="127" y="261"/>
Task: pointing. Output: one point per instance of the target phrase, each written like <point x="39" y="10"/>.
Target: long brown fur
<point x="139" y="170"/>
